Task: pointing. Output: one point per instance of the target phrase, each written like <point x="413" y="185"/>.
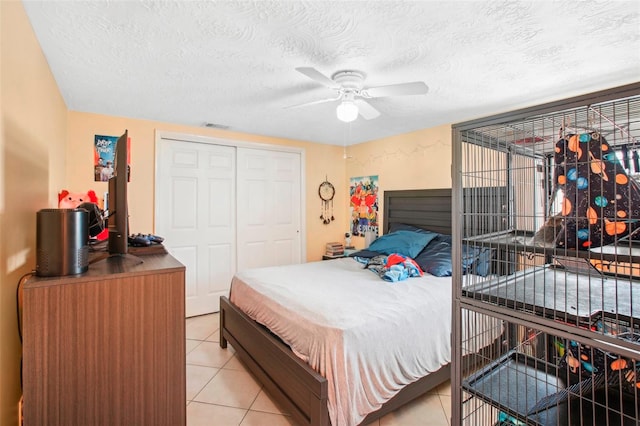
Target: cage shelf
<point x="561" y="295"/>
<point x="529" y="391"/>
<point x="514" y="384"/>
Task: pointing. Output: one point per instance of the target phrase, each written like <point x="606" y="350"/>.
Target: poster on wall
<point x="104" y="150"/>
<point x="363" y="205"/>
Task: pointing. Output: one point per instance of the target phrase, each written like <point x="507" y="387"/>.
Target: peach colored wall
<point x="416" y="160"/>
<point x="420" y="159"/>
<point x="321" y="161"/>
<point x="33" y="134"/>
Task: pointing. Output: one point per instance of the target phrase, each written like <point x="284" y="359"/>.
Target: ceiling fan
<point x="350" y="91"/>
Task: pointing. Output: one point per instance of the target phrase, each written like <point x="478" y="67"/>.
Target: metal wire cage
<point x="547" y="247"/>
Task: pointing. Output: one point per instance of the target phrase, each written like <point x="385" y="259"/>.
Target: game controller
<point x="151" y="237"/>
<point x="144" y="240"/>
<point x="137" y="241"/>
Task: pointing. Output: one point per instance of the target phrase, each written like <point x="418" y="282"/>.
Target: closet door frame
<point x="185" y="137"/>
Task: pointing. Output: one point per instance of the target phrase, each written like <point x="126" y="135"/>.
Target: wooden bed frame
<point x="292" y="383"/>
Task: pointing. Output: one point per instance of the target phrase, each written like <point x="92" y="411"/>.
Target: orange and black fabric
<point x="586" y="361"/>
<point x="601" y="203"/>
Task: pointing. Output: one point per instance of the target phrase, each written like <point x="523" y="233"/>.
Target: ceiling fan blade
<point x="366" y="110"/>
<point x="316" y="75"/>
<point x="321" y="101"/>
<point x="402" y="89"/>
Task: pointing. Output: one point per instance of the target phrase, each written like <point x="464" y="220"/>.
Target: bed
<point x="288" y="377"/>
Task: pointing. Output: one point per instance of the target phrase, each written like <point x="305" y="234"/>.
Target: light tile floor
<point x="221" y="391"/>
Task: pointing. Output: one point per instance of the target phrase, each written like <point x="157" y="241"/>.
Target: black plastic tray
<point x="515" y="383"/>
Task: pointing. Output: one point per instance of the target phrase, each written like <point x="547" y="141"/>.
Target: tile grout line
<point x="444" y="410"/>
<point x="251" y="405"/>
<point x="197" y="365"/>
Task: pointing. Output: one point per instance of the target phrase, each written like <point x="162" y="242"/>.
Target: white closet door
<point x="195" y="213"/>
<point x="269" y="208"/>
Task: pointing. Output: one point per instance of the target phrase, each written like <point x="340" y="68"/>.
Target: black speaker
<point x="62" y="242"/>
<point x="95" y="219"/>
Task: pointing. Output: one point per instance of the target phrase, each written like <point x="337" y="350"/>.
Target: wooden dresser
<point x="106" y="347"/>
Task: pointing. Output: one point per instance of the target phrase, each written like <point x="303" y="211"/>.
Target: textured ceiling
<point x="233" y="63"/>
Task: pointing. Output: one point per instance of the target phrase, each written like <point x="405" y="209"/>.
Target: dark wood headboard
<point x="485" y="207"/>
<point x="425" y="208"/>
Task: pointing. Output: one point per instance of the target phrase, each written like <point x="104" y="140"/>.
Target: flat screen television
<point x="118" y="220"/>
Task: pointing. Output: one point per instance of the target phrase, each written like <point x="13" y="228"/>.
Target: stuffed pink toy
<point x="71" y="200"/>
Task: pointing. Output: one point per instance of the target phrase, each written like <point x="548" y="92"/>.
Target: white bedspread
<point x="368" y="337"/>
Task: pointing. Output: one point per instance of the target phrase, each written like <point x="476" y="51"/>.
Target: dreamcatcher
<point x="326" y="191"/>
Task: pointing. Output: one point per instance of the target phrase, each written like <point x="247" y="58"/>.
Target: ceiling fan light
<point x="347" y="111"/>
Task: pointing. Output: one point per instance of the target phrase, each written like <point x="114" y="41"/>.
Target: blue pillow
<point x="436" y="258"/>
<point x="477" y="257"/>
<point x="481" y="261"/>
<point x="445" y="238"/>
<point x="407" y="243"/>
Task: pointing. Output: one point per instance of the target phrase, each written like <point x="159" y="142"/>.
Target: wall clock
<point x="326" y="191"/>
